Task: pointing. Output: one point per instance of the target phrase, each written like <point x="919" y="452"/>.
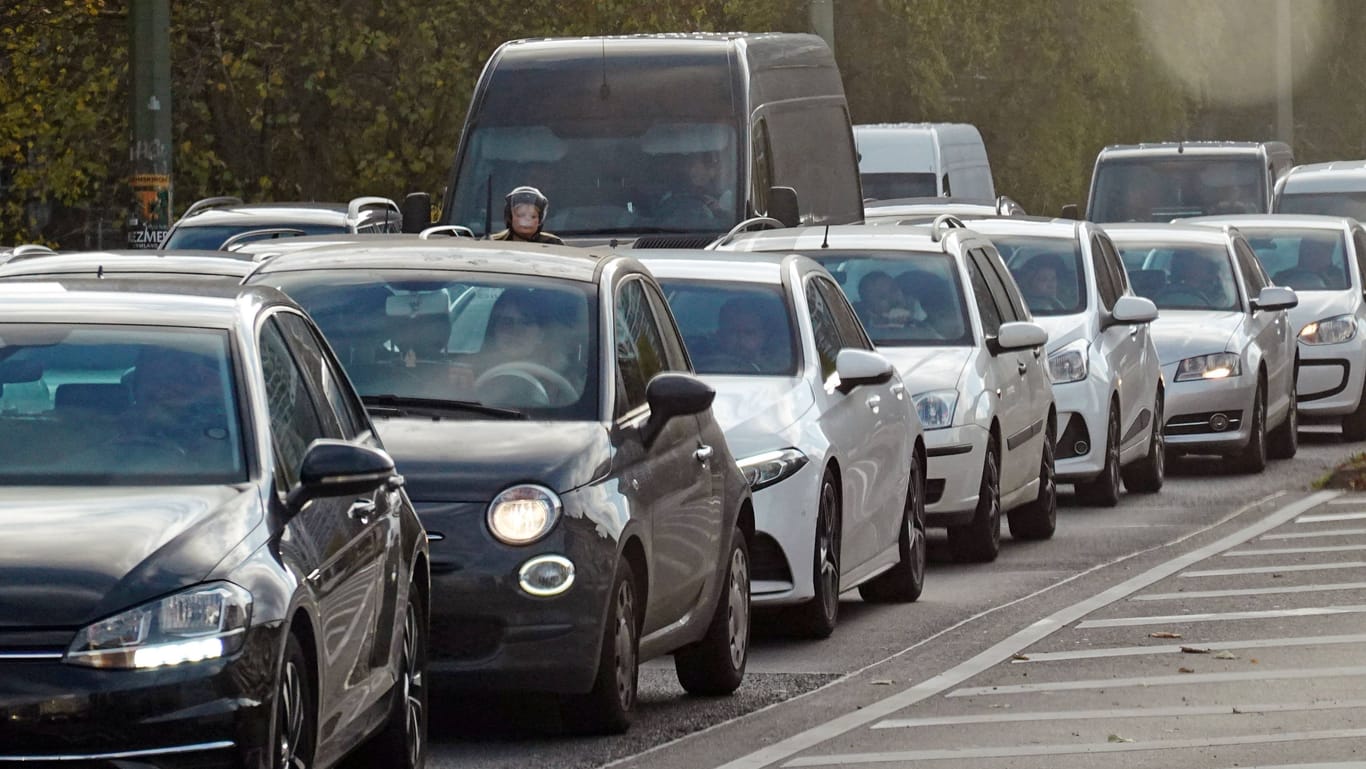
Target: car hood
<point x="1320" y="305"/>
<point x="71" y="556"/>
<point x="1062" y="329"/>
<point x="453" y="460"/>
<point x="928" y="368"/>
<point x="754" y="411"/>
<point x="1182" y="333"/>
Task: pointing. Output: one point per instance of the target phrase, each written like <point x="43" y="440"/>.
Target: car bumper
<point x="203" y="714"/>
<point x="1328" y="383"/>
<point x="954" y="458"/>
<point x="785" y="516"/>
<point x="486" y="632"/>
<point x="1083" y="409"/>
<point x="1192" y="409"/>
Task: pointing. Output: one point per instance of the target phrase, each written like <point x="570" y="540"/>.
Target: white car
<point x="1106" y="378"/>
<point x="1324" y="259"/>
<point x="820" y="423"/>
<point x="1224" y="338"/>
<point x="963" y="341"/>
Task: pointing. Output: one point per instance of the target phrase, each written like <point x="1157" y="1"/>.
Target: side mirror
<point x="1071" y="211"/>
<point x="1019" y="335"/>
<point x="417" y="212"/>
<point x="1132" y="310"/>
<point x="672" y="394"/>
<point x="1275" y="298"/>
<point x="782" y="205"/>
<point x="860" y="367"/>
<point x="332" y="468"/>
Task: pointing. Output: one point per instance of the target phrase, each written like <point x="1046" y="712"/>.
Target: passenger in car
<point x="1315" y="268"/>
<point x="880" y="302"/>
<point x="524" y="211"/>
<point x="741" y="342"/>
<point x="1040" y="283"/>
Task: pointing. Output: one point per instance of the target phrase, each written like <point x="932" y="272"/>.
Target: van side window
<point x="812" y="128"/>
<point x="947" y="189"/>
<point x="763" y="171"/>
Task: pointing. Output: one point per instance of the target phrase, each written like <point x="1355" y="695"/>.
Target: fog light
<point x="546" y="575"/>
<point x="1218" y="423"/>
<point x="1081" y="448"/>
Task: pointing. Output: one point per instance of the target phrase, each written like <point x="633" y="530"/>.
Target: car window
<point x="1359" y="246"/>
<point x="675" y="353"/>
<point x="640" y="352"/>
<point x="823" y="327"/>
<point x="1106" y="284"/>
<point x="1303" y="259"/>
<point x="1048" y="272"/>
<point x="734" y="328"/>
<point x="1250" y="267"/>
<point x="1007" y="300"/>
<point x="1118" y="276"/>
<point x="323" y="378"/>
<point x="851" y="331"/>
<point x="1184" y="277"/>
<point x="209" y="237"/>
<point x="986" y="304"/>
<point x="903" y="299"/>
<point x="294" y="419"/>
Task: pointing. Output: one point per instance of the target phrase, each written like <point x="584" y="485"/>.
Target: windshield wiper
<point x="402" y="405"/>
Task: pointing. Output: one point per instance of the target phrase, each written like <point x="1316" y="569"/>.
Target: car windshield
<point x="1351" y="204"/>
<point x="524" y="345"/>
<point x="734" y="328"/>
<point x="1181" y="277"/>
<point x="887" y="186"/>
<point x="211" y="237"/>
<point x="1303" y="259"/>
<point x="111" y="405"/>
<point x="1048" y="270"/>
<point x="1162" y="189"/>
<point x="904" y="299"/>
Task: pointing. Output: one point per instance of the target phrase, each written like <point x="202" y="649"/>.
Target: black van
<point x="678" y="137"/>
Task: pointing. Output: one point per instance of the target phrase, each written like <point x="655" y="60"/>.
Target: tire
<point x="715" y="665"/>
<point x="296" y="711"/>
<point x="1284" y="441"/>
<point x="817" y="618"/>
<point x="1103" y="491"/>
<point x="980" y="541"/>
<point x="607" y="707"/>
<point x="1252" y="459"/>
<point x="402" y="743"/>
<point x="1147" y="474"/>
<point x="1354" y="424"/>
<point x="1039" y="519"/>
<point x="905" y="581"/>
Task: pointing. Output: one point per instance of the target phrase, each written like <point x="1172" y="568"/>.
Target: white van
<point x="919" y="160"/>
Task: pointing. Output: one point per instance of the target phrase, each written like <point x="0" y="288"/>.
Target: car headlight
<point x="203" y="623"/>
<point x="1329" y="330"/>
<point x="935" y="408"/>
<point x="1071" y="363"/>
<point x="1219" y="365"/>
<point x="523" y="514"/>
<point x="768" y="468"/>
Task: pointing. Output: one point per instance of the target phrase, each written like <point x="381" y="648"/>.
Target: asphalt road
<point x="828" y="702"/>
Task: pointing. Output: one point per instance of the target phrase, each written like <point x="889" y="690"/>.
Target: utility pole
<point x="149" y="23"/>
<point x="822" y="15"/>
<point x="1285" y="79"/>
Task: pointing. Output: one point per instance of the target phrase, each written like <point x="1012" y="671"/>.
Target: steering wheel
<point x="1044" y="303"/>
<point x="1183" y="296"/>
<point x="534" y="374"/>
<point x="687" y="205"/>
<point x="1304" y="280"/>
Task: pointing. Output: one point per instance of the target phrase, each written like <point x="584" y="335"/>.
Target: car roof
<point x="135" y="302"/>
<point x="849" y="236"/>
<point x="1334" y="176"/>
<point x="1265" y="221"/>
<point x="1184" y="148"/>
<point x="448" y="254"/>
<point x="1182" y="233"/>
<point x="1029" y="225"/>
<point x="170" y="263"/>
<point x="720" y="266"/>
<point x="262" y="213"/>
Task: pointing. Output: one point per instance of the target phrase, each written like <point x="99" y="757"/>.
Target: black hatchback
<point x="584" y="510"/>
<point x="206" y="557"/>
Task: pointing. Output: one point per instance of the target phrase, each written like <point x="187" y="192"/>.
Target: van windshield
<point x="619" y="144"/>
<point x="1162" y="189"/>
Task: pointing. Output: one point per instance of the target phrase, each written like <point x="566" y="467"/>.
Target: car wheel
<point x="1284" y="441"/>
<point x="905" y="581"/>
<point x="405" y="733"/>
<point x="716" y="664"/>
<point x="1039" y="519"/>
<point x="980" y="541"/>
<point x="296" y="715"/>
<point x="607" y="707"/>
<point x="817" y="618"/>
<point x="1354" y="424"/>
<point x="1253" y="457"/>
<point x="1147" y="474"/>
<point x="1104" y="490"/>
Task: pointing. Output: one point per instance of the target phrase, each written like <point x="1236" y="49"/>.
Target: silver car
<point x="1324" y="259"/>
<point x="1224" y="339"/>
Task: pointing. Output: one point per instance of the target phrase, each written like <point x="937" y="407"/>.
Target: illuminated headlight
<point x="521" y="515"/>
<point x="202" y="623"/>
<point x="1329" y="330"/>
<point x="1219" y="365"/>
<point x="1070" y="363"/>
<point x="770" y="467"/>
<point x="935" y="409"/>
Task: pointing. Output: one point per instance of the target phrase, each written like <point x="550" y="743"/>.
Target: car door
<point x="1123" y="346"/>
<point x="332" y="535"/>
<point x="663" y="480"/>
<point x="1271" y="328"/>
<point x="888" y="445"/>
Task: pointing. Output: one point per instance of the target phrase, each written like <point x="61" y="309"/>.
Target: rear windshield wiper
<point x="402" y="405"/>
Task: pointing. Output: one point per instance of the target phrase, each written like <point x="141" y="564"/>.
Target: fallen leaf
<point x="1185" y="670"/>
<point x="1117" y="738"/>
<point x="1164" y="634"/>
<point x="1226" y="655"/>
<point x="1193" y="650"/>
<point x="1253" y="660"/>
<point x="1020" y="657"/>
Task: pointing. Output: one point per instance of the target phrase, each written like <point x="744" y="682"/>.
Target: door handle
<point x="873" y="402"/>
<point x="361" y="510"/>
<point x="702" y="454"/>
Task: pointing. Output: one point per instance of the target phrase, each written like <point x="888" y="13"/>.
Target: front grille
<point x="934" y="490"/>
<point x="673" y="241"/>
<point x="1076" y="433"/>
<point x="457" y="638"/>
<point x="766" y="561"/>
<point x="1198" y="424"/>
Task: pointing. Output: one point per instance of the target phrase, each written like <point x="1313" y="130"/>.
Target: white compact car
<point x="1324" y="259"/>
<point x="1106" y="378"/>
<point x="1224" y="338"/>
<point x="940" y="304"/>
<point x="820" y="423"/>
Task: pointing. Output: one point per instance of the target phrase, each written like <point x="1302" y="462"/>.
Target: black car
<point x="583" y="508"/>
<point x="206" y="557"/>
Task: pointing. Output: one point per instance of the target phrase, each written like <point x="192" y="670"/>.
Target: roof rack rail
<point x="748" y="225"/>
<point x="353" y="208"/>
<point x="453" y="230"/>
<point x="945" y="222"/>
<point x="1006" y="206"/>
<point x="203" y="205"/>
<point x="266" y="233"/>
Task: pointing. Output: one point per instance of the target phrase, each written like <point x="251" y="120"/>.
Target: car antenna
<point x="99" y="272"/>
<point x="605" y="91"/>
<point x="826" y="242"/>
